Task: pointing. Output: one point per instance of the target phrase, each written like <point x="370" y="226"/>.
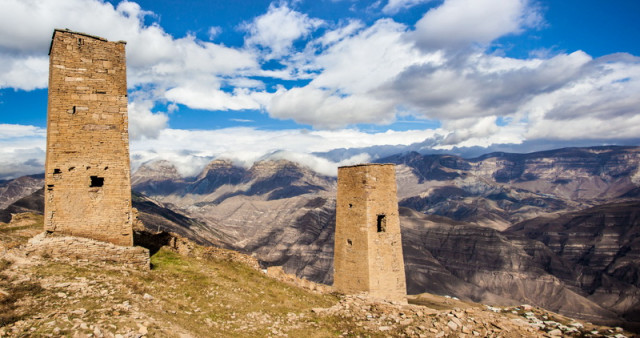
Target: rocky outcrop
<point x="13" y="190"/>
<point x="33" y="202"/>
<point x="485" y="265"/>
<point x="501" y="189"/>
<point x="284" y="215"/>
<point x="157" y="178"/>
<point x="602" y="244"/>
<point x="77" y="248"/>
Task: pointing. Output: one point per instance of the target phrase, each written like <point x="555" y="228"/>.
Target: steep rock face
<point x="575" y="173"/>
<point x="284" y="214"/>
<point x="500" y="189"/>
<point x="216" y="174"/>
<point x="30" y="203"/>
<point x="484" y="265"/>
<point x="157" y="178"/>
<point x="603" y="243"/>
<point x="13" y="190"/>
<point x="222" y="180"/>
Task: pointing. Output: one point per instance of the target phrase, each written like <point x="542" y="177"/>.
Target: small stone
<point x="142" y="330"/>
<point x="147" y="296"/>
<point x="453" y="326"/>
<point x="61" y="295"/>
<point x="457" y="321"/>
<point x="384" y="328"/>
<point x="555" y="332"/>
<point x="406" y="321"/>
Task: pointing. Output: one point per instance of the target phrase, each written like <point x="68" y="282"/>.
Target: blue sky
<point x="248" y="80"/>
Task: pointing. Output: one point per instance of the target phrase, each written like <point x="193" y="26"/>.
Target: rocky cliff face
<point x="501" y="189"/>
<point x="13" y="190"/>
<point x="501" y="229"/>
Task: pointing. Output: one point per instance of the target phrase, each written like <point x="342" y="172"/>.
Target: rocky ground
<point x="193" y="291"/>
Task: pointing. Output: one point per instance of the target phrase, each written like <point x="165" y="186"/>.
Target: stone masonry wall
<point x="74" y="248"/>
<point x="368" y="245"/>
<point x="88" y="184"/>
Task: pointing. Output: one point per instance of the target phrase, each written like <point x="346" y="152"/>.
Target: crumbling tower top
<point x="87" y="178"/>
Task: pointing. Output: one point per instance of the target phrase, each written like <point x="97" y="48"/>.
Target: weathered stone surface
<point x="87" y="178"/>
<point x="368" y="245"/>
<point x="69" y="247"/>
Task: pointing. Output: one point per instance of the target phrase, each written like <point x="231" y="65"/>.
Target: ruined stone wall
<point x="76" y="248"/>
<point x="368" y="245"/>
<point x="88" y="184"/>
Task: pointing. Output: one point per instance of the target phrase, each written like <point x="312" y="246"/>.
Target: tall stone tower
<point x="368" y="245"/>
<point x="88" y="183"/>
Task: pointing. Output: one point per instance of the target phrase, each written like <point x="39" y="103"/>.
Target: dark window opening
<point x="57" y="171"/>
<point x="382" y="223"/>
<point x="350" y="205"/>
<point x="49" y="187"/>
<point x="80" y="42"/>
<point x="349" y="242"/>
<point x="96" y="181"/>
<point x="100" y="92"/>
<point x="107" y="167"/>
<point x="72" y="168"/>
<point x="72" y="111"/>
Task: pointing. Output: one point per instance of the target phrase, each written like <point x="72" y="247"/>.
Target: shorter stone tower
<point x="87" y="178"/>
<point x="368" y="245"/>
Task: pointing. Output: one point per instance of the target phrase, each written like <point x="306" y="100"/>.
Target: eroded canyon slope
<point x="501" y="228"/>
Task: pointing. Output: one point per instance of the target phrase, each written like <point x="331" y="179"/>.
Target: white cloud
<point x="324" y="109"/>
<point x="191" y="150"/>
<point x="395" y="6"/>
<point x="23" y="72"/>
<point x="214" y="31"/>
<point x="21" y="150"/>
<point x="352" y="70"/>
<point x="215" y="99"/>
<point x="277" y="29"/>
<point x="143" y="123"/>
<point x="457" y="23"/>
<point x="318" y="164"/>
<point x="155" y="59"/>
<point x="357" y="73"/>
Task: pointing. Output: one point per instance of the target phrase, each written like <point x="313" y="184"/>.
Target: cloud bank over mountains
<point x="344" y="74"/>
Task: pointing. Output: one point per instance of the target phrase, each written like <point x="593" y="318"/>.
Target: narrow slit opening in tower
<point x="382" y="223"/>
<point x="349" y="242"/>
<point x="57" y="171"/>
<point x="96" y="182"/>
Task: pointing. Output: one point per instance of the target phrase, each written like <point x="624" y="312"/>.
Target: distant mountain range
<point x="557" y="229"/>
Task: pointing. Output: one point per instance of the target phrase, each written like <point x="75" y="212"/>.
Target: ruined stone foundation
<point x="88" y="184"/>
<point x="368" y="245"/>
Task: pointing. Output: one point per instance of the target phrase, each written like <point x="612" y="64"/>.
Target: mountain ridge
<point x="284" y="214"/>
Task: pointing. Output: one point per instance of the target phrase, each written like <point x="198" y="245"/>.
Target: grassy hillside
<point x="213" y="292"/>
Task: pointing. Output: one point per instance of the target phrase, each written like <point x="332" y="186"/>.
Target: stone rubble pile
<point x="419" y="321"/>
